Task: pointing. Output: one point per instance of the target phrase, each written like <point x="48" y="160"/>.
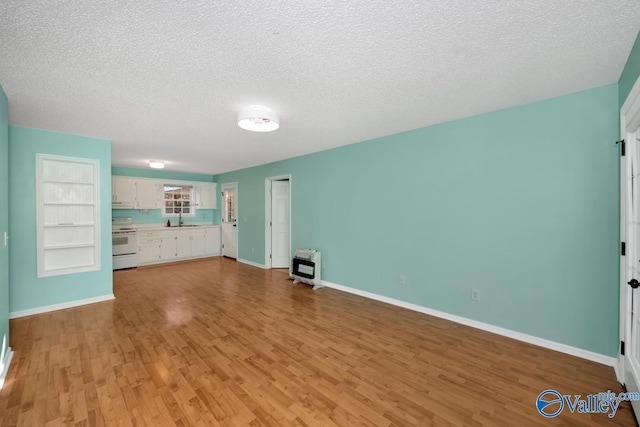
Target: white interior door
<point x="229" y="220"/>
<point x="632" y="277"/>
<point x="628" y="366"/>
<point x="280" y="251"/>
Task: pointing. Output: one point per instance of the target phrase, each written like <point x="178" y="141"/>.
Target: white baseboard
<point x="541" y="342"/>
<point x="61" y="306"/>
<point x="619" y="369"/>
<point x="5" y="364"/>
<point x="254" y="264"/>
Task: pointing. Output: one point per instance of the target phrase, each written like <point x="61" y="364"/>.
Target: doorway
<point x="278" y="221"/>
<point x="628" y="366"/>
<point x="230" y="220"/>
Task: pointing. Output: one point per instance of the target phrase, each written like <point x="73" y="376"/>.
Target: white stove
<point x="124" y="239"/>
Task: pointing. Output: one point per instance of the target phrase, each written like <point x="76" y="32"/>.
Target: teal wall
<point x="4" y="225"/>
<point x="154" y="216"/>
<point x="521" y="204"/>
<point x="630" y="73"/>
<point x="26" y="290"/>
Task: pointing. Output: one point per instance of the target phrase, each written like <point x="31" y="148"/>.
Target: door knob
<point x="633" y="283"/>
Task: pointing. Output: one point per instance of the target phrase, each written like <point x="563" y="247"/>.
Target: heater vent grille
<point x="306" y="267"/>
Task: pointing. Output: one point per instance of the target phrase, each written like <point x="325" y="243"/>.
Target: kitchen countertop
<point x="160" y="227"/>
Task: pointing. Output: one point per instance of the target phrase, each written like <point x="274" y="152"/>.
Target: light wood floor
<point x="213" y="342"/>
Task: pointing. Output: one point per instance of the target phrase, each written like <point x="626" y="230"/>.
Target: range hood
<point x="122" y="205"/>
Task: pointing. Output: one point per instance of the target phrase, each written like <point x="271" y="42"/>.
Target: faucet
<point x="180" y="222"/>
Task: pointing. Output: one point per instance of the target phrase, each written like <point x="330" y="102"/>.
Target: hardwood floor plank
<point x="216" y="343"/>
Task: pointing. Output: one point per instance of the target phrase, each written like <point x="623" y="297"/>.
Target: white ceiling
<point x="165" y="79"/>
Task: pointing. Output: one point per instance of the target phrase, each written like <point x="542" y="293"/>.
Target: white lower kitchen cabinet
<point x="212" y="241"/>
<point x="149" y="253"/>
<point x="176" y="244"/>
<point x="149" y="244"/>
<point x="168" y="246"/>
<point x="183" y="244"/>
<point x="198" y="244"/>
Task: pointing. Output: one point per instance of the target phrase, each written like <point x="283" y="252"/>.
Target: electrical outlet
<point x="324" y="264"/>
<point x="402" y="280"/>
<point x="253" y="250"/>
<point x="475" y="294"/>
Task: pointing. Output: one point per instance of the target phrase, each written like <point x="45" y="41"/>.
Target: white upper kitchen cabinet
<point x="123" y="193"/>
<point x="147" y="194"/>
<point x="206" y="197"/>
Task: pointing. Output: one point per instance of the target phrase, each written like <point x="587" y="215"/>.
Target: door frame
<point x="267" y="215"/>
<point x="629" y="117"/>
<point x="222" y="187"/>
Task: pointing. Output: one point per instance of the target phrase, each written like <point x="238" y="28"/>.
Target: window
<point x="68" y="215"/>
<point x="178" y="200"/>
<point x="229" y="199"/>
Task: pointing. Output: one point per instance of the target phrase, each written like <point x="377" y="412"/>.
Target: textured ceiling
<point x="165" y="79"/>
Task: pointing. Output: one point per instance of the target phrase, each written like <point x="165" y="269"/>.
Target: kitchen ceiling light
<point x="156" y="164"/>
<point x="258" y="119"/>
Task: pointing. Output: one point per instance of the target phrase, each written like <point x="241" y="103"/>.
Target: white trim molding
<point x="629" y="123"/>
<point x="4" y="364"/>
<point x="618" y="368"/>
<point x="253" y="264"/>
<point x="267" y="216"/>
<point x="61" y="306"/>
<point x="541" y="342"/>
<point x="223" y="210"/>
<point x="630" y="110"/>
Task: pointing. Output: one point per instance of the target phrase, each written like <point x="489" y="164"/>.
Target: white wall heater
<point x="306" y="267"/>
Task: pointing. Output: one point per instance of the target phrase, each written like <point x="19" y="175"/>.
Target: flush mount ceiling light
<point x="258" y="119"/>
<point x="156" y="164"/>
